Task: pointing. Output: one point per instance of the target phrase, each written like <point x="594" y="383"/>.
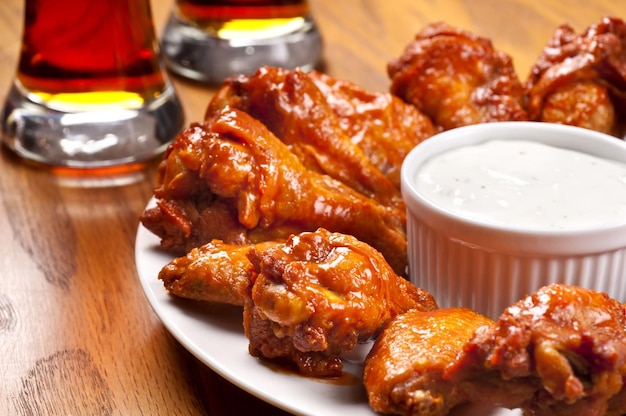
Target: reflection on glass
<point x="90" y="90"/>
<point x="208" y="40"/>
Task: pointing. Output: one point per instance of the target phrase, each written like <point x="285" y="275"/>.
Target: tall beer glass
<point x="90" y="91"/>
<point x="208" y="40"/>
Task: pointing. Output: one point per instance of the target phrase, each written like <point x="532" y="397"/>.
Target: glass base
<point x="193" y="53"/>
<point x="93" y="139"/>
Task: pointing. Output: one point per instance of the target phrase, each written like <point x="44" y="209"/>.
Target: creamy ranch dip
<point x="526" y="184"/>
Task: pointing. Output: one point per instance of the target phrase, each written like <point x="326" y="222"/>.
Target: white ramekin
<point x="464" y="262"/>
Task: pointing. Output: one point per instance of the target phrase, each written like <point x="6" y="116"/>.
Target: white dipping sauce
<point x="526" y="184"/>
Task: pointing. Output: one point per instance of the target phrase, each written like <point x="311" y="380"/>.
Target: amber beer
<point x="209" y="40"/>
<point x="244" y="16"/>
<point x="90" y="90"/>
<point x="79" y="53"/>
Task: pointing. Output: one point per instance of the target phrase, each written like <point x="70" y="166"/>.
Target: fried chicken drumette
<point x="559" y="351"/>
<point x="214" y="272"/>
<point x="318" y="295"/>
<point x="333" y="126"/>
<point x="404" y="372"/>
<point x="231" y="179"/>
<point x="580" y="79"/>
<point x="457" y="78"/>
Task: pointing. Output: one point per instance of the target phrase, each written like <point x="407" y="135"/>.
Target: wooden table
<point x="77" y="335"/>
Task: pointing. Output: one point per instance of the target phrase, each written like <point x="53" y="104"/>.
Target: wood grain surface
<point x="77" y="335"/>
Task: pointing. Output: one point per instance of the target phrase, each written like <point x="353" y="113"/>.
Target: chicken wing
<point x="457" y="78"/>
<point x="318" y="295"/>
<point x="571" y="341"/>
<point x="215" y="272"/>
<point x="559" y="351"/>
<point x="580" y="79"/>
<point x="382" y="125"/>
<point x="404" y="372"/>
<point x="333" y="126"/>
<point x="231" y="179"/>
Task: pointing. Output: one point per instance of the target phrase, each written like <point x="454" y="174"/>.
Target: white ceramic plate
<point x="214" y="334"/>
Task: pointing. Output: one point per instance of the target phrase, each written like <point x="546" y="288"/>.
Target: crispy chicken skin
<point x="571" y="340"/>
<point x="457" y="78"/>
<point x="333" y="126"/>
<point x="318" y="295"/>
<point x="231" y="179"/>
<point x="382" y="125"/>
<point x="215" y="272"/>
<point x="580" y="79"/>
<point x="404" y="372"/>
<point x="559" y="351"/>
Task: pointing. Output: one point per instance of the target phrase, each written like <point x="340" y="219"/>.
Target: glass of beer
<point x="208" y="40"/>
<point x="91" y="90"/>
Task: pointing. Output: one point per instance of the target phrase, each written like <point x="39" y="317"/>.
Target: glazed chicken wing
<point x="215" y="272"/>
<point x="569" y="339"/>
<point x="318" y="295"/>
<point x="560" y="351"/>
<point x="457" y="78"/>
<point x="334" y="127"/>
<point x="382" y="125"/>
<point x="307" y="300"/>
<point x="231" y="179"/>
<point x="404" y="372"/>
<point x="580" y="79"/>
